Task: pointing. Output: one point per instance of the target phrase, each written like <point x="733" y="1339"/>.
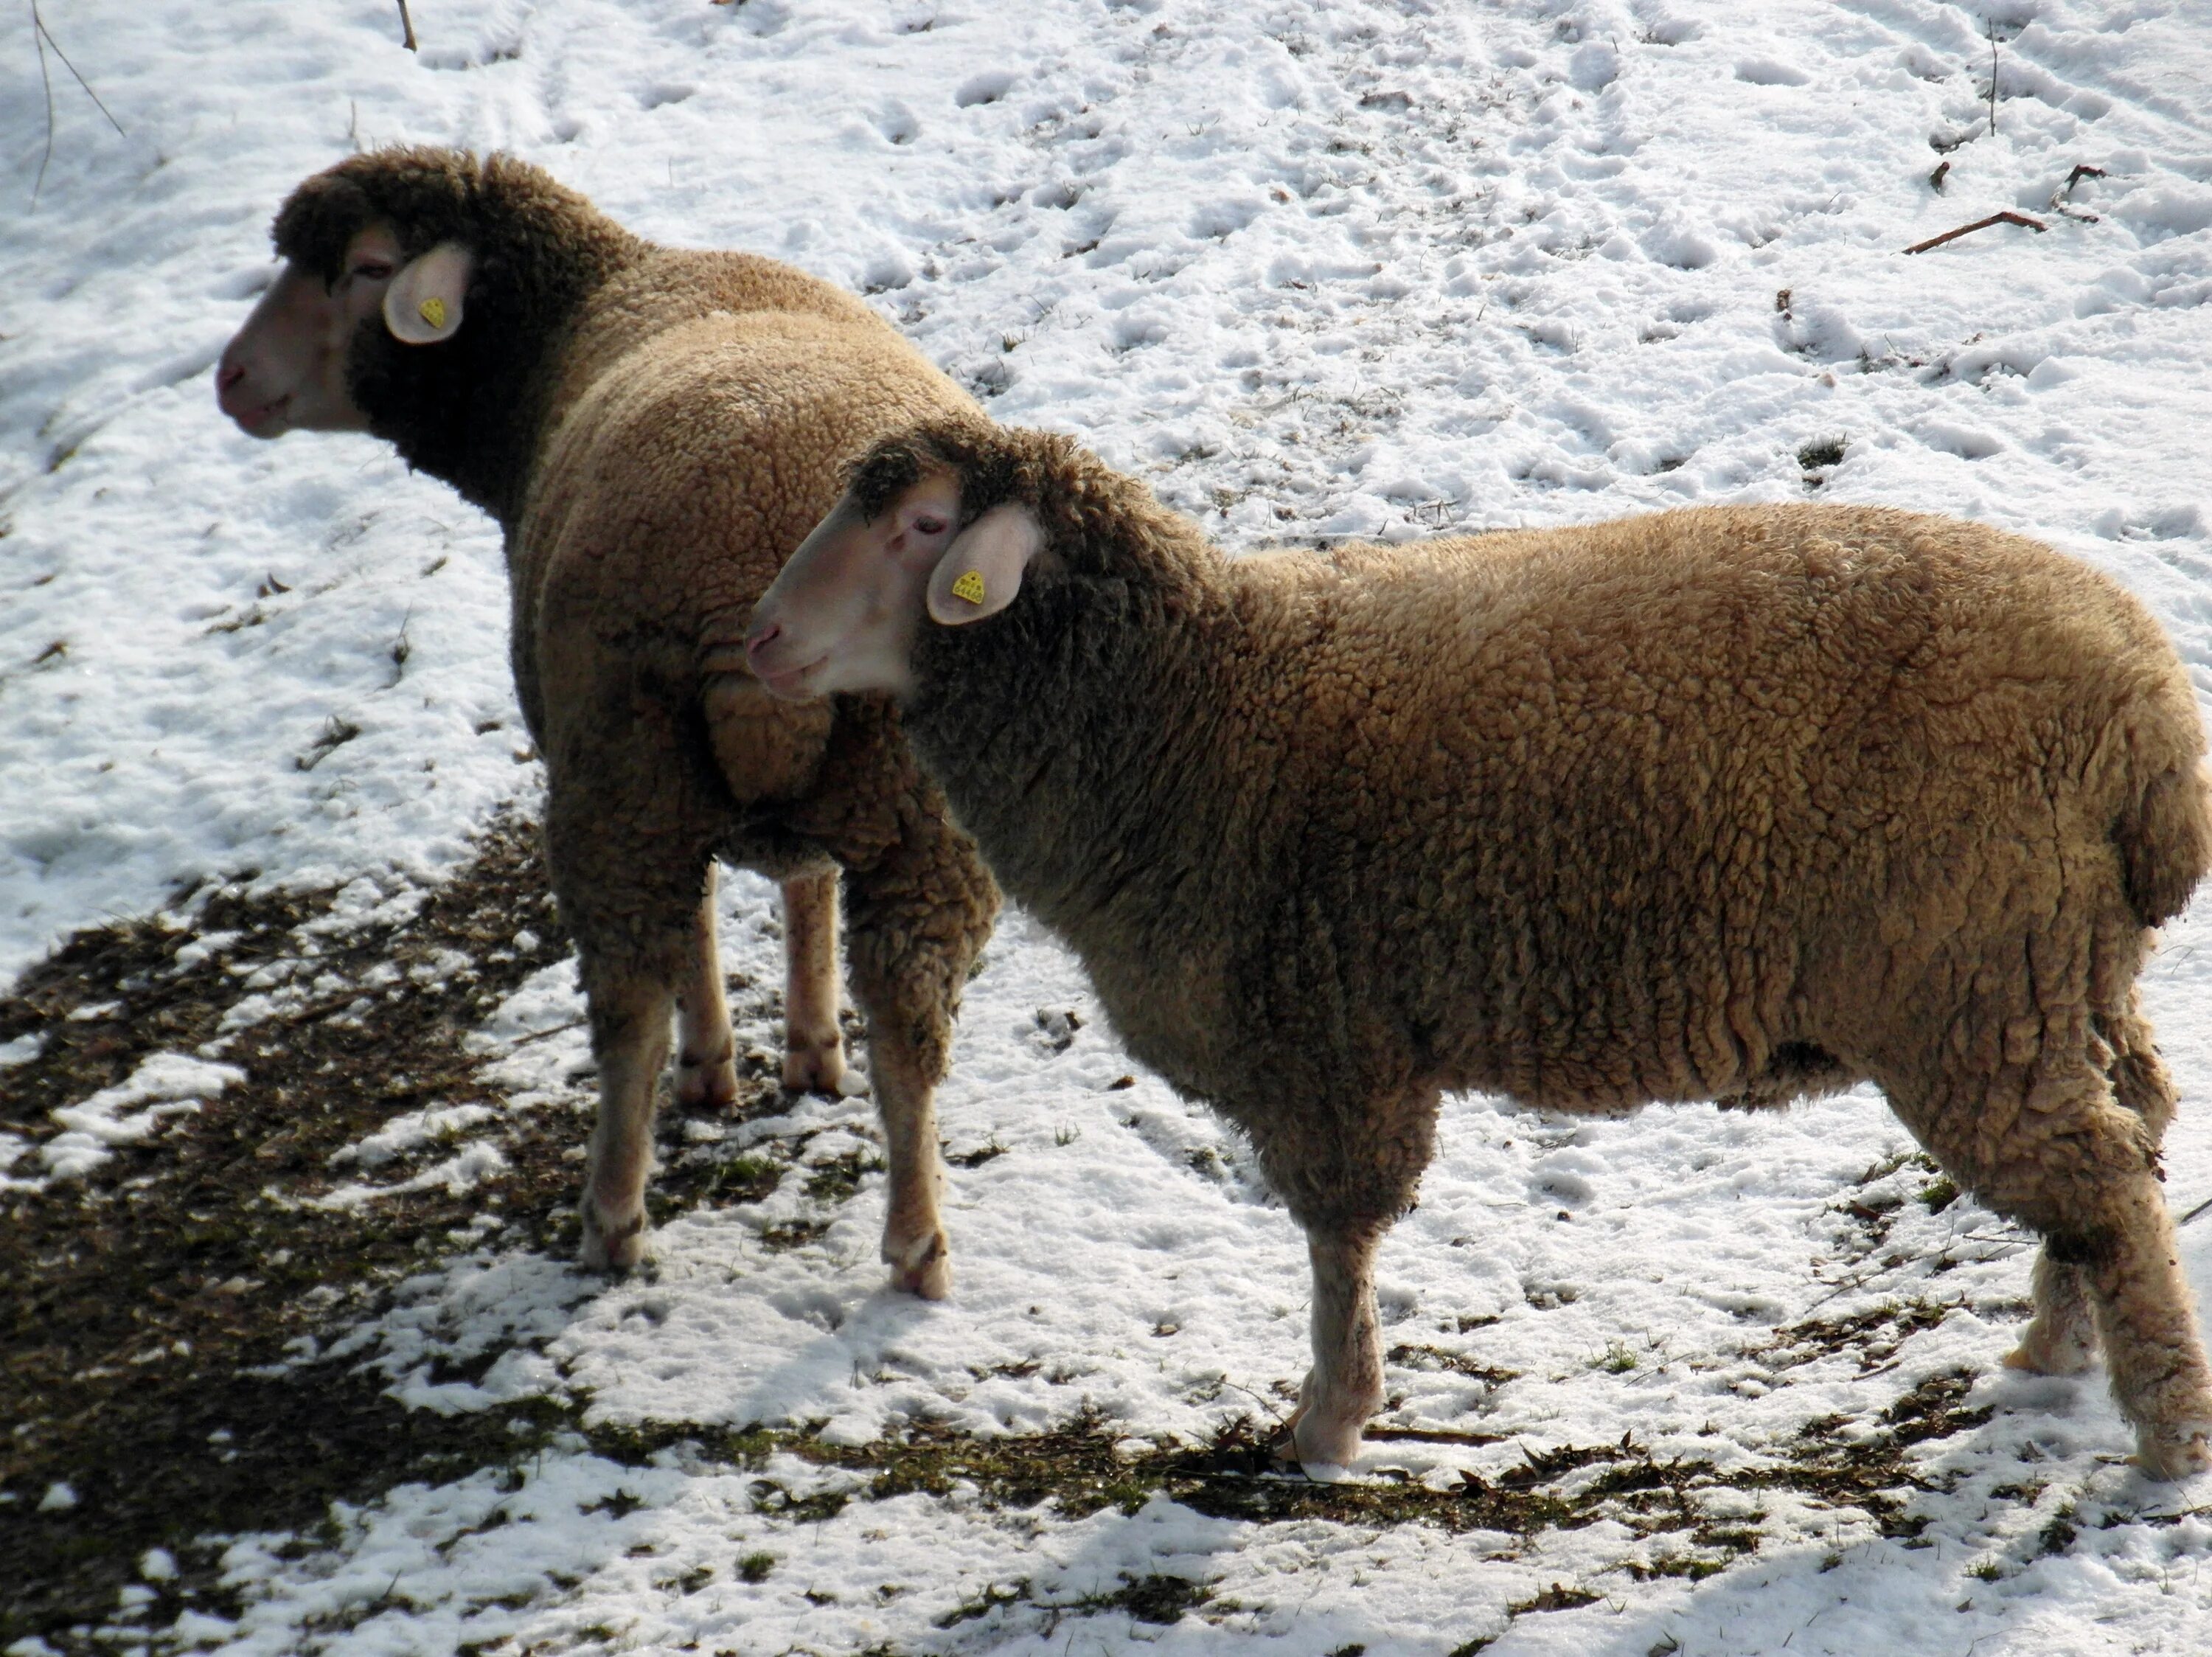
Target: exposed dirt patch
<point x="140" y="1294"/>
<point x="158" y="1308"/>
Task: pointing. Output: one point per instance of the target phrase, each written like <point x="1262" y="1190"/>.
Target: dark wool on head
<point x="467" y="412"/>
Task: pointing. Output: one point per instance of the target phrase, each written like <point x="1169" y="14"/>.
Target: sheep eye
<point x="375" y="269"/>
<point x="929" y="525"/>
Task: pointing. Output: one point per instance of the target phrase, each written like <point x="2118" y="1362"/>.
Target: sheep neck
<point x="1079" y="737"/>
<point x="475" y="416"/>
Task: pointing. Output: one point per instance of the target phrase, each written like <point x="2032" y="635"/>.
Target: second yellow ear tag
<point x="433" y="311"/>
<point x="969" y="587"/>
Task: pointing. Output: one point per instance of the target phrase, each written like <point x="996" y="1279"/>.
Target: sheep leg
<point x="629" y="1018"/>
<point x="2062" y="1338"/>
<point x="2080" y="1166"/>
<point x="2152" y="1353"/>
<point x="918" y="909"/>
<point x="706" y="1054"/>
<point x="915" y="1246"/>
<point x="631" y="820"/>
<point x="813" y="1047"/>
<point x="1344" y="1388"/>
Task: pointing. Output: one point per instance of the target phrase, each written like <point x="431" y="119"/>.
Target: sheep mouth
<point x="266" y="421"/>
<point x="789" y="684"/>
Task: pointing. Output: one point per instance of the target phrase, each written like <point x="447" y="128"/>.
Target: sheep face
<point x="843" y="614"/>
<point x="286" y="368"/>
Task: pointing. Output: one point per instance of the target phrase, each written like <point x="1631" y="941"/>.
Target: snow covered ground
<point x="1314" y="269"/>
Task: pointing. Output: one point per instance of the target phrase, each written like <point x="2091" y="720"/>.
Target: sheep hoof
<point x="706" y="1083"/>
<point x="2179" y="1450"/>
<point x="814" y="1067"/>
<point x="612" y="1250"/>
<point x="923" y="1267"/>
<point x="2055" y="1345"/>
<point x="2059" y="1358"/>
<point x="1324" y="1450"/>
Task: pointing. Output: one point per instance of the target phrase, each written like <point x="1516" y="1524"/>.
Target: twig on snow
<point x="42" y="37"/>
<point x="407" y="28"/>
<point x="2062" y="199"/>
<point x="2007" y="217"/>
<point x="540" y="1035"/>
<point x="2204" y="1207"/>
<point x="1993" y="75"/>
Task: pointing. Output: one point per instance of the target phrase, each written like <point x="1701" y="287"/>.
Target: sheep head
<point x="422" y="294"/>
<point x="844" y="612"/>
<point x="286" y="368"/>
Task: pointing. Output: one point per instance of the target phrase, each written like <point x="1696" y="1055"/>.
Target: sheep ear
<point x="422" y="306"/>
<point x="981" y="571"/>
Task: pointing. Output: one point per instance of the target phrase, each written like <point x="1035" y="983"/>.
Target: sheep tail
<point x="2164" y="837"/>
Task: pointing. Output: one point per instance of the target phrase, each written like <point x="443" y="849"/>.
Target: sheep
<point x="653" y="430"/>
<point x="1742" y="804"/>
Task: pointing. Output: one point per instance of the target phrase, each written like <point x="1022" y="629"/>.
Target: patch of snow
<point x="165" y="1084"/>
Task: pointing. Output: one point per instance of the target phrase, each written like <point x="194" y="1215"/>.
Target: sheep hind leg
<point x="813" y="1046"/>
<point x="922" y="911"/>
<point x="629" y="1018"/>
<point x="2081" y="1168"/>
<point x="706" y="1054"/>
<point x="2154" y="1355"/>
<point x="2061" y="1339"/>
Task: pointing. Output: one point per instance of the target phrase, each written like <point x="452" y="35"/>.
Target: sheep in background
<point x="654" y="430"/>
<point x="1740" y="803"/>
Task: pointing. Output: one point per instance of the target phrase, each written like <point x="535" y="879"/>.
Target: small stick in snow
<point x="2204" y="1207"/>
<point x="540" y="1035"/>
<point x="407" y="28"/>
<point x="42" y="37"/>
<point x="1935" y="178"/>
<point x="2007" y="217"/>
<point x="1993" y="76"/>
<point x="2062" y="199"/>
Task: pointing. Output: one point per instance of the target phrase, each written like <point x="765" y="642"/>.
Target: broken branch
<point x="2022" y="219"/>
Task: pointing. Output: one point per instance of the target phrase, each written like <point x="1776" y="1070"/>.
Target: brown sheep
<point x="654" y="430"/>
<point x="1738" y="804"/>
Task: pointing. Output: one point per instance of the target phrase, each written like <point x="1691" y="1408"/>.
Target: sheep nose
<point x="229" y="393"/>
<point x="759" y="639"/>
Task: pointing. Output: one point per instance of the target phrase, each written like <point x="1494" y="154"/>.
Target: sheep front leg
<point x="1344" y="1388"/>
<point x="629" y="1018"/>
<point x="813" y="1047"/>
<point x="706" y="1053"/>
<point x="1346" y="1173"/>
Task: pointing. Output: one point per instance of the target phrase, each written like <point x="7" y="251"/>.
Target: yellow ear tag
<point x="433" y="311"/>
<point x="969" y="587"/>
